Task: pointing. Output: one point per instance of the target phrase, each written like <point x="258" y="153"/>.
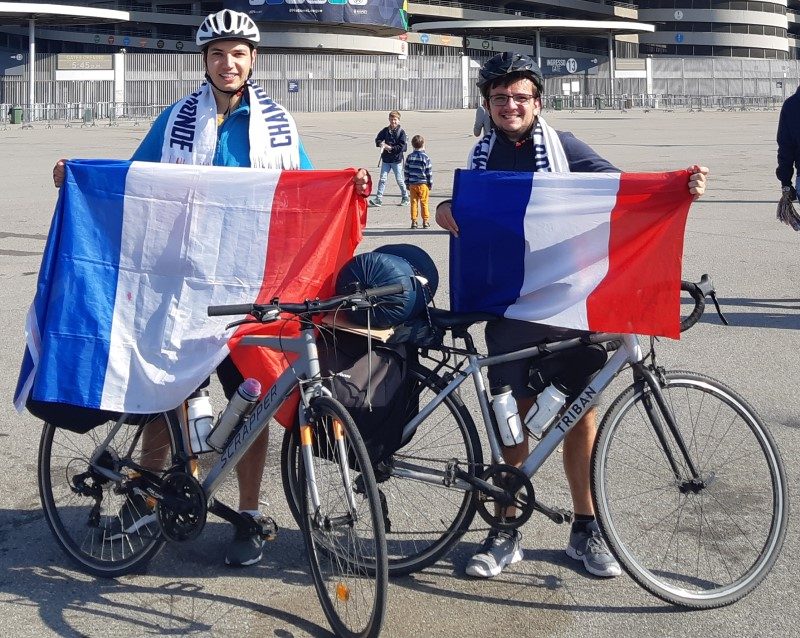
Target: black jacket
<point x="397" y="140"/>
<point x="789" y="140"/>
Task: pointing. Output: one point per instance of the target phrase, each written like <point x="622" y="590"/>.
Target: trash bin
<point x="16" y="114"/>
<point x="598" y="104"/>
<point x="628" y="103"/>
<point x="88" y="115"/>
<point x="558" y="103"/>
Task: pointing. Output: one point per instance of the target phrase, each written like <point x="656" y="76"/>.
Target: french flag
<point x="590" y="251"/>
<point x="136" y="253"/>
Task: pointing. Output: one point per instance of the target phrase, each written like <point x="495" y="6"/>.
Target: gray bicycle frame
<point x="628" y="352"/>
<point x="305" y="371"/>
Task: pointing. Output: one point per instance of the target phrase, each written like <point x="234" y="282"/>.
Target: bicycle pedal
<point x="269" y="528"/>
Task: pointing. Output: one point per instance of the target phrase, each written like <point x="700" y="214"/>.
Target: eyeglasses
<point x="501" y="99"/>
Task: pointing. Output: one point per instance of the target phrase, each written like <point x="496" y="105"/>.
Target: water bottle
<point x="508" y="421"/>
<point x="240" y="404"/>
<point x="545" y="410"/>
<point x="200" y="417"/>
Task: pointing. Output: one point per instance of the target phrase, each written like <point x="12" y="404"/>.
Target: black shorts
<point x="507" y="335"/>
<point x="229" y="377"/>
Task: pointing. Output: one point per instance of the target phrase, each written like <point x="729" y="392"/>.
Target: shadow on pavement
<point x="179" y="594"/>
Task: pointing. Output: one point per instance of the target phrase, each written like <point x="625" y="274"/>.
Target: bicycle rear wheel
<point x="85" y="509"/>
<point x="423" y="519"/>
<point x="704" y="544"/>
<point x="344" y="534"/>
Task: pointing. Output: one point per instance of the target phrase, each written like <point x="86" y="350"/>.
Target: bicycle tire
<point x="719" y="542"/>
<point x="82" y="525"/>
<point x="413" y="506"/>
<point x="344" y="537"/>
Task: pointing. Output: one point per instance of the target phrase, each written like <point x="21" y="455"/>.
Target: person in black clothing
<point x="789" y="144"/>
<point x="392" y="142"/>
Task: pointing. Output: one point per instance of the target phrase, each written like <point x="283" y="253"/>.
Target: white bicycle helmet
<point x="227" y="25"/>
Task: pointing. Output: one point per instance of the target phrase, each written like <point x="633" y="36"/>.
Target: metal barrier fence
<point x="82" y="115"/>
<point x="690" y="103"/>
<point x="337" y="82"/>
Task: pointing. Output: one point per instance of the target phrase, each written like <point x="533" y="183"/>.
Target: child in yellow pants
<point x="419" y="179"/>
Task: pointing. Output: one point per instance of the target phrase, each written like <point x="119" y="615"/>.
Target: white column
<point x="611" y="66"/>
<point x="119" y="84"/>
<point x="31" y="66"/>
<point x="539" y="48"/>
<point x="465" y="81"/>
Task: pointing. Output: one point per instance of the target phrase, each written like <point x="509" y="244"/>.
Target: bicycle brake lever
<point x="233" y="324"/>
<point x="713" y="296"/>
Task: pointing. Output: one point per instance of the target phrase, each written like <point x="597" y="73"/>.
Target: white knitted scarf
<point x="191" y="133"/>
<point x="548" y="151"/>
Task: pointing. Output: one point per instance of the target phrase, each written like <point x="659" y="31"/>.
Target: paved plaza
<point x="732" y="234"/>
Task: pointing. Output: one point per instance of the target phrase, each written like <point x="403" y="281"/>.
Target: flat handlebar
<point x="270" y="311"/>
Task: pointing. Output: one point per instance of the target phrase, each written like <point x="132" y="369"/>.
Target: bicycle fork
<point x="659" y="413"/>
<point x="306" y="448"/>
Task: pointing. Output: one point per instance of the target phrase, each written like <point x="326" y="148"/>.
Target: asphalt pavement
<point x="732" y="234"/>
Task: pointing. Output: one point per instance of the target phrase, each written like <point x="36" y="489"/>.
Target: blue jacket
<point x="233" y="140"/>
<point x="397" y="140"/>
<point x="789" y="140"/>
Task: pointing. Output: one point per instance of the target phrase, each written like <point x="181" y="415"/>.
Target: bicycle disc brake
<point x="518" y="493"/>
<point x="182" y="511"/>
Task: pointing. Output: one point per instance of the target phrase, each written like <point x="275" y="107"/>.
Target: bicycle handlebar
<point x="270" y="311"/>
<point x="699" y="291"/>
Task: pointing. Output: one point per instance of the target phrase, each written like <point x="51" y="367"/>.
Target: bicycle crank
<point x="511" y="489"/>
<point x="182" y="510"/>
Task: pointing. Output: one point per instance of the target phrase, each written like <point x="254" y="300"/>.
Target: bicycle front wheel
<point x="423" y="515"/>
<point x="342" y="523"/>
<point x="102" y="527"/>
<point x="699" y="543"/>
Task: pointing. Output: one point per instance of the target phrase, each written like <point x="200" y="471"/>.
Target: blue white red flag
<point x="136" y="253"/>
<point x="591" y="251"/>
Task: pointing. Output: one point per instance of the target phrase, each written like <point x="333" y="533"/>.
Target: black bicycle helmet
<point x="506" y="63"/>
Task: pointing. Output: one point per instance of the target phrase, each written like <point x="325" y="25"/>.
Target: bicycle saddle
<point x="448" y="320"/>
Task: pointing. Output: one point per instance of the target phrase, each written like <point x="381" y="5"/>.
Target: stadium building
<point x="720" y="28"/>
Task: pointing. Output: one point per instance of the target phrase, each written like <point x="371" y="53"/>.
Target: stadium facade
<point x="765" y="29"/>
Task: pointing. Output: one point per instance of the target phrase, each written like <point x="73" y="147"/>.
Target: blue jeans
<point x="397" y="169"/>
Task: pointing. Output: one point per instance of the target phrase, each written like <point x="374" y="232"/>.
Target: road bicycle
<point x="86" y="480"/>
<point x="687" y="483"/>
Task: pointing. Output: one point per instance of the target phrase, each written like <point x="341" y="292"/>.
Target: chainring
<point x="519" y="490"/>
<point x="183" y="509"/>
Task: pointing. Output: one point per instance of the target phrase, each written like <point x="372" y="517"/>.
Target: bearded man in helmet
<point x="512" y="87"/>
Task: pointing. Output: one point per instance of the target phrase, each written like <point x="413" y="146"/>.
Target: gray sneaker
<point x="500" y="548"/>
<point x="404" y="201"/>
<point x="376" y="202"/>
<point x="589" y="547"/>
<point x="247" y="549"/>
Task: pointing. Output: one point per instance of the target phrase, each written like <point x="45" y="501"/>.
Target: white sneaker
<point x="500" y="548"/>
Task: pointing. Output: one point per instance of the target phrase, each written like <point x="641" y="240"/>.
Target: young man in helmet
<point x="228" y="121"/>
<point x="512" y="85"/>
